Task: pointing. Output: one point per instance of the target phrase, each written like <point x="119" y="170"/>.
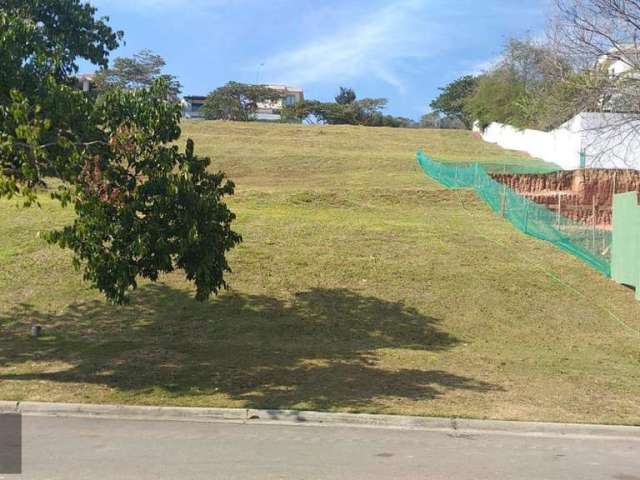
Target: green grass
<point x="361" y="286"/>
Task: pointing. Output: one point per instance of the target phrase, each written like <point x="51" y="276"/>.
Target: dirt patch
<point x="583" y="195"/>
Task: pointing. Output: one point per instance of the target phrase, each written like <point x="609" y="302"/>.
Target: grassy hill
<point x="361" y="285"/>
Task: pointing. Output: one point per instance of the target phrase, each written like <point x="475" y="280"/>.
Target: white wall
<point x="561" y="146"/>
<point x="609" y="140"/>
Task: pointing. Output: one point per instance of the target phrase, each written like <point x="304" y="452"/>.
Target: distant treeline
<point x="531" y="86"/>
<point x="589" y="61"/>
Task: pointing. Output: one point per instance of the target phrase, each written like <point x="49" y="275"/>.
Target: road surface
<point x="86" y="448"/>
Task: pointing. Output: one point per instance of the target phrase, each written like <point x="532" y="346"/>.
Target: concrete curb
<point x="451" y="426"/>
<point x="126" y="411"/>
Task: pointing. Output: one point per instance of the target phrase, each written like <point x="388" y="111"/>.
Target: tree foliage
<point x="345" y="96"/>
<point x="41" y="113"/>
<point x="237" y="101"/>
<point x="366" y="112"/>
<point x="143" y="207"/>
<point x="543" y="84"/>
<point x="604" y="32"/>
<point x="139" y="71"/>
<point x="436" y="120"/>
<point x="495" y="99"/>
<point x="527" y="88"/>
<point x="451" y="102"/>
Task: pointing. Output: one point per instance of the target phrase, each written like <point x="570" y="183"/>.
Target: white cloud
<point x="374" y="46"/>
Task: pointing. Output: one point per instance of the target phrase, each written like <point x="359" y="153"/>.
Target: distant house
<point x="622" y="65"/>
<point x="86" y="81"/>
<point x="192" y="106"/>
<point x="270" y="111"/>
<point x="619" y="61"/>
<point x="266" y="112"/>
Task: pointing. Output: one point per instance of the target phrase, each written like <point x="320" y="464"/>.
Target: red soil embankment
<point x="580" y="194"/>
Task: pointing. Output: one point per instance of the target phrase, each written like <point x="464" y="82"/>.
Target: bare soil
<point x="583" y="195"/>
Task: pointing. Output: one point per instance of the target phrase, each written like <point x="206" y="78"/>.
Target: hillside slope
<point x="361" y="285"/>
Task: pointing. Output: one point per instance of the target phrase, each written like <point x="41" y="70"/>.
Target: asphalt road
<point x="87" y="448"/>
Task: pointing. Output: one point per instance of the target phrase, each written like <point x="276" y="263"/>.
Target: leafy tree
<point x="336" y="114"/>
<point x="237" y="101"/>
<point x="606" y="32"/>
<point x="495" y="99"/>
<point x="41" y="113"/>
<point x="451" y="101"/>
<point x="346" y="96"/>
<point x="370" y="108"/>
<point x="525" y="88"/>
<point x="535" y="65"/>
<point x="366" y="112"/>
<point x="404" y="122"/>
<point x="142" y="206"/>
<point x="139" y="71"/>
<point x="430" y="120"/>
<point x="300" y="112"/>
<point x="452" y="123"/>
<point x="435" y="120"/>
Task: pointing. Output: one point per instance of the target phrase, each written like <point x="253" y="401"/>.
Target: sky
<point x="402" y="50"/>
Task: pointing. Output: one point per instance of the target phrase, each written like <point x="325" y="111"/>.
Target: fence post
<point x="526" y="215"/>
<point x="593" y="231"/>
<point x="559" y="210"/>
<point x="503" y="202"/>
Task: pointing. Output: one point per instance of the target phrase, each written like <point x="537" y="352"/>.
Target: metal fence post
<point x="559" y="211"/>
<point x="593" y="232"/>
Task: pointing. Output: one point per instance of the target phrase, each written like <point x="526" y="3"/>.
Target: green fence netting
<point x="583" y="241"/>
<point x="511" y="166"/>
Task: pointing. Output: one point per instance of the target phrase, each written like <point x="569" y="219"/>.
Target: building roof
<point x="86" y="76"/>
<point x="195" y="98"/>
<point x="285" y="88"/>
<point x="623" y="53"/>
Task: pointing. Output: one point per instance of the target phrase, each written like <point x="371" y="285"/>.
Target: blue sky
<point x="399" y="49"/>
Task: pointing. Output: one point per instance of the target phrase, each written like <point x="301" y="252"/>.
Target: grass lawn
<point x="361" y="286"/>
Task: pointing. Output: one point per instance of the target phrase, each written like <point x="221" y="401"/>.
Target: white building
<point x="270" y="111"/>
<point x="86" y="81"/>
<point x="192" y="105"/>
<point x="619" y="61"/>
<point x="266" y="112"/>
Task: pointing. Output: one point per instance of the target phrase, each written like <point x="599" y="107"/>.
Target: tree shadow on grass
<point x="325" y="349"/>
